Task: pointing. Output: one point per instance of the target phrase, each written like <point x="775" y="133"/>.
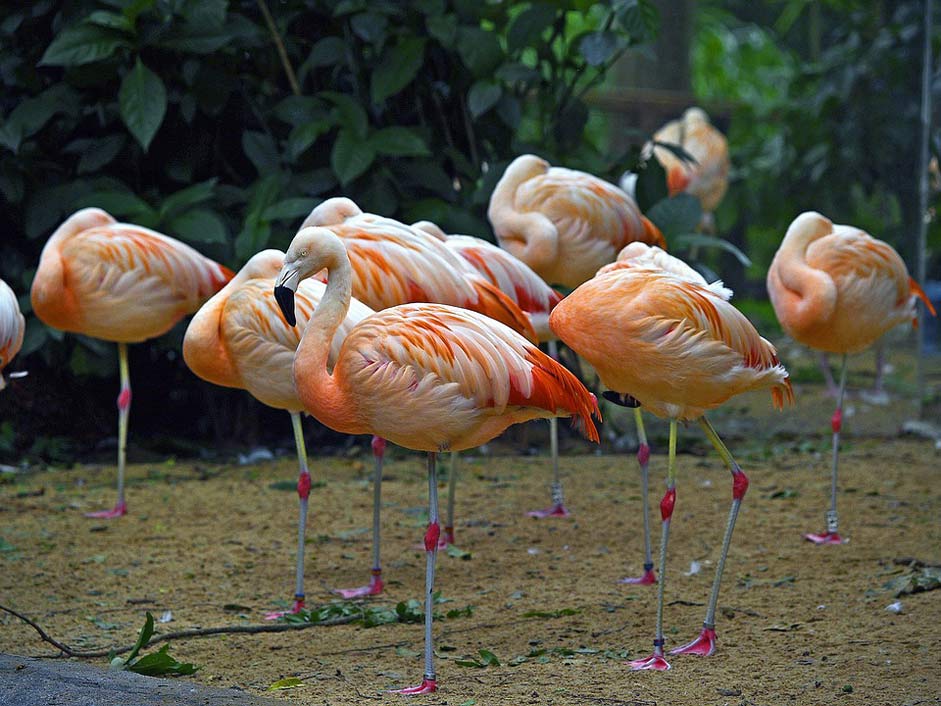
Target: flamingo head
<point x="313" y="249"/>
<point x="332" y="212"/>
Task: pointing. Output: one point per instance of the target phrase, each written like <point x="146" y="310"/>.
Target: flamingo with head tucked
<point x="119" y="282"/>
<point x="12" y="328"/>
<point x="429" y="377"/>
<point x="393" y="263"/>
<point x="239" y="338"/>
<point x="837" y="289"/>
<point x="678" y="348"/>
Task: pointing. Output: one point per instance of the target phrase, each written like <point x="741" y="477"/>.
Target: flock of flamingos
<point x="430" y="341"/>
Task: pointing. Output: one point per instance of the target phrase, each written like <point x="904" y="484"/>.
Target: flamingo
<point x="428" y="377"/>
<point x="12" y="328"/>
<point x="639" y="254"/>
<point x="518" y="281"/>
<point x="837" y="289"/>
<point x="563" y="223"/>
<point x="123" y="283"/>
<point x="393" y="264"/>
<point x="708" y="177"/>
<point x="678" y="348"/>
<point x="240" y="339"/>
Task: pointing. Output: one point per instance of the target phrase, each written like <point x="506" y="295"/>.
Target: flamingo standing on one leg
<point x="394" y="264"/>
<point x="565" y="225"/>
<point x="240" y="339"/>
<point x="679" y="349"/>
<point x="123" y="283"/>
<point x="650" y="256"/>
<point x="518" y="281"/>
<point x="425" y="376"/>
<point x="12" y="328"/>
<point x="837" y="289"/>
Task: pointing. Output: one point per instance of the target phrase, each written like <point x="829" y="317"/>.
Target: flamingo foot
<point x="825" y="538"/>
<point x="373" y="589"/>
<point x="447" y="537"/>
<point x="118" y="510"/>
<point x="704" y="645"/>
<point x="427" y="686"/>
<point x="557" y="510"/>
<point x="295" y="609"/>
<point x="649" y="578"/>
<point x="654" y="661"/>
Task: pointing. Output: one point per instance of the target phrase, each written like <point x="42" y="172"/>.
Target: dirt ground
<point x="797" y="623"/>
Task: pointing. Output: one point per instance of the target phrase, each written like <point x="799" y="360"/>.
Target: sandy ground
<point x="801" y="624"/>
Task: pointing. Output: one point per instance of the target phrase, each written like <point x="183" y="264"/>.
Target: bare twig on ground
<point x="180" y="634"/>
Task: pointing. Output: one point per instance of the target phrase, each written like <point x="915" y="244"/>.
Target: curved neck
<point x="813" y="290"/>
<point x="317" y="389"/>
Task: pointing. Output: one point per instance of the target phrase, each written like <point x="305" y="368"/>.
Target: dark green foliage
<point x="182" y="115"/>
<point x="156" y="664"/>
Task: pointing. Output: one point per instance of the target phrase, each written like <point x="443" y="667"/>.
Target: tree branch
<point x="279" y="43"/>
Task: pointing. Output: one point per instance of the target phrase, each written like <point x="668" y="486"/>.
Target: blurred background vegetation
<point x="223" y="123"/>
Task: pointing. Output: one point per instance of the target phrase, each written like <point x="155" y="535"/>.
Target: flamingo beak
<point x="284" y="287"/>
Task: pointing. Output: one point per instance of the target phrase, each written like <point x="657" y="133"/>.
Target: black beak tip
<point x="285" y="298"/>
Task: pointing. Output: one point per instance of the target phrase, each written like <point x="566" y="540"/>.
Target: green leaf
<point x="483" y="95"/>
<point x="289" y="209"/>
<point x="676" y="215"/>
<point x="120" y="204"/>
<point x="350" y="156"/>
<point x="489" y="658"/>
<point x="598" y="47"/>
<point x="143" y="102"/>
<point x="350" y="114"/>
<point x="199" y="225"/>
<point x="195" y="38"/>
<point x="479" y="49"/>
<point x="103" y="18"/>
<point x="143" y="637"/>
<point x="398" y="142"/>
<point x="96" y="153"/>
<point x="513" y="72"/>
<point x="297" y="111"/>
<point x="369" y="26"/>
<point x="399" y="65"/>
<point x="160" y="663"/>
<point x="261" y="150"/>
<point x="32" y="114"/>
<point x="303" y="136"/>
<point x="639" y="18"/>
<point x="510" y="111"/>
<point x="326" y="52"/>
<point x="286" y="683"/>
<point x="651" y="185"/>
<point x="184" y="198"/>
<point x="206" y="12"/>
<point x="442" y="28"/>
<point x="82" y="44"/>
<point x="527" y="27"/>
<point x="710" y="241"/>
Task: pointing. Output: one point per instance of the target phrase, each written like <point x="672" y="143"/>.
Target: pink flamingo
<point x="12" y="328"/>
<point x="393" y="264"/>
<point x="240" y="339"/>
<point x="689" y="351"/>
<point x="517" y="280"/>
<point x="428" y="377"/>
<point x="837" y="289"/>
<point x="119" y="282"/>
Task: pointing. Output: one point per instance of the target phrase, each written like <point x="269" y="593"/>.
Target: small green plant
<point x="550" y="613"/>
<point x="286" y="683"/>
<point x="156" y="664"/>
<point x="410" y="611"/>
<point x="487" y="659"/>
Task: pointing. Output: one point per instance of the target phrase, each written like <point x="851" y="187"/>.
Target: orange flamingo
<point x="428" y="377"/>
<point x="708" y="177"/>
<point x="12" y="328"/>
<point x="394" y="264"/>
<point x="240" y="339"/>
<point x="123" y="283"/>
<point x="639" y="254"/>
<point x="518" y="281"/>
<point x="837" y="289"/>
<point x="688" y="351"/>
<point x="563" y="223"/>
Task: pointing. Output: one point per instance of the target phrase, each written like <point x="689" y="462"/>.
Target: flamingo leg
<point x="824" y="362"/>
<point x="643" y="458"/>
<point x="375" y="585"/>
<point x="832" y="536"/>
<point x="429" y="683"/>
<point x="657" y="660"/>
<point x="124" y="408"/>
<point x="557" y="509"/>
<point x="705" y="644"/>
<point x="303" y="493"/>
<point x="448" y="536"/>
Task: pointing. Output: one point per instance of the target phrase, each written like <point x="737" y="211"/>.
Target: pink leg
<point x="429" y="682"/>
<point x="643" y="458"/>
<point x="832" y="536"/>
<point x="124" y="408"/>
<point x="375" y="585"/>
<point x="557" y="509"/>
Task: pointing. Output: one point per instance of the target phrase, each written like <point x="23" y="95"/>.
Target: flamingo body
<point x="119" y="282"/>
<point x="563" y="223"/>
<point x="12" y="328"/>
<point x="836" y="288"/>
